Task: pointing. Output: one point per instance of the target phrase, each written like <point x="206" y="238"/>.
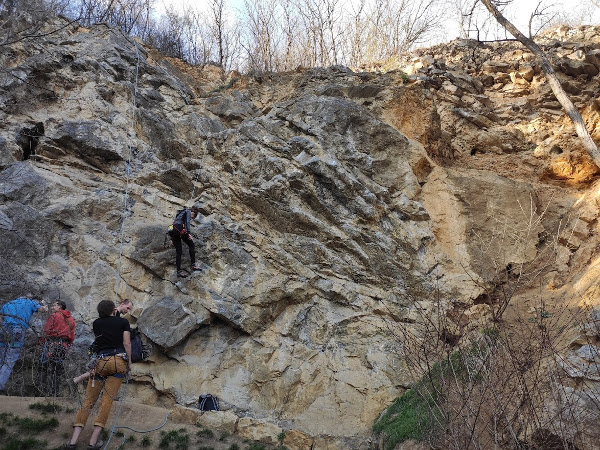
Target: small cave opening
<point x="543" y="438"/>
<point x="556" y="150"/>
<point x="28" y="139"/>
<point x="483" y="299"/>
<point x="449" y="338"/>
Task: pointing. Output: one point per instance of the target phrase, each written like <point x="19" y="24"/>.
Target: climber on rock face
<point x="179" y="232"/>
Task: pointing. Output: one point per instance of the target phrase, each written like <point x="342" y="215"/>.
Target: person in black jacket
<point x="113" y="360"/>
<point x="124" y="307"/>
<point x="181" y="232"/>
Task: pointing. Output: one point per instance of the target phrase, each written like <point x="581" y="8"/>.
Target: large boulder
<point x="168" y="322"/>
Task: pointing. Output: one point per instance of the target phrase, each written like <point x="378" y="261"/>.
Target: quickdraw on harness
<point x="177" y="229"/>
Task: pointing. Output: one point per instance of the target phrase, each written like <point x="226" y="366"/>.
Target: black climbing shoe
<point x="97" y="446"/>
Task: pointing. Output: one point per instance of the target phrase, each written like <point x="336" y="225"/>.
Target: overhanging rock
<point x="168" y="322"/>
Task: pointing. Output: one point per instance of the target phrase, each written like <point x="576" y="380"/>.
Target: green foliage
<point x="419" y="413"/>
<point x="16" y="443"/>
<point x="281" y="437"/>
<point x="491" y="332"/>
<point x="224" y="436"/>
<point x="178" y="438"/>
<point x="146" y="441"/>
<point x="206" y="433"/>
<point x="130" y="439"/>
<point x="119" y="434"/>
<point x="37" y="425"/>
<point x="6" y="418"/>
<point x="405" y="77"/>
<point x="257" y="447"/>
<point x="409" y="417"/>
<point x="46" y="408"/>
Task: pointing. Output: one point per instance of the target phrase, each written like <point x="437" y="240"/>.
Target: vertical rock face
<point x="326" y="227"/>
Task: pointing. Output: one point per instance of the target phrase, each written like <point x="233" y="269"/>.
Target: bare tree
<point x="312" y="23"/>
<point x="217" y="26"/>
<point x="290" y="57"/>
<point x="24" y="19"/>
<point x="196" y="36"/>
<point x="553" y="80"/>
<point x="482" y="380"/>
<point x="543" y="16"/>
<point x="167" y="35"/>
<point x="379" y="30"/>
<point x="224" y="33"/>
<point x="262" y="34"/>
<point x="131" y="16"/>
<point x="354" y="38"/>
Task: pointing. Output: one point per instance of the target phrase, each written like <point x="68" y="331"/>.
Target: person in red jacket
<point x="57" y="337"/>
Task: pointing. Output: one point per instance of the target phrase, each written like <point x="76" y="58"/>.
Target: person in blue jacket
<point x="181" y="231"/>
<point x="15" y="316"/>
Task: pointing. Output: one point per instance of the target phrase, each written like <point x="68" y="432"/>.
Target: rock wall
<point x="336" y="207"/>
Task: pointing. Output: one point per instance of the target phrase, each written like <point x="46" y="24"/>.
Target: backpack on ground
<point x="208" y="403"/>
<point x="139" y="350"/>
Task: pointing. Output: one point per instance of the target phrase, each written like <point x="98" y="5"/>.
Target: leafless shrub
<point x="505" y="378"/>
<point x="35" y="375"/>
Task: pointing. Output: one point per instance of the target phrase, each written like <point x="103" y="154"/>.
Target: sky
<point x="517" y="12"/>
<point x="522" y="9"/>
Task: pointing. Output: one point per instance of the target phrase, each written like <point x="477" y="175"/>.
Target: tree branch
<point x="553" y="80"/>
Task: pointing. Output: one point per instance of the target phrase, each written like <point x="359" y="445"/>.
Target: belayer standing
<point x="113" y="360"/>
<point x="181" y="231"/>
<point x="58" y="335"/>
<point x="15" y="316"/>
<point x="122" y="308"/>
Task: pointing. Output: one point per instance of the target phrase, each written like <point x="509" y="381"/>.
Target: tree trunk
<point x="557" y="89"/>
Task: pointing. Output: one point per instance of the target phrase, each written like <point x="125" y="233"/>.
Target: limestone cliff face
<point x="336" y="207"/>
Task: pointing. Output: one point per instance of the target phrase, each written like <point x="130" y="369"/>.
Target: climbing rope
<point x="124" y="218"/>
<point x="115" y="427"/>
<point x="128" y="171"/>
<point x="201" y="163"/>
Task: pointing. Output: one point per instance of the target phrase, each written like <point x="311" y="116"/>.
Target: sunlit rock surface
<point x="337" y="207"/>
